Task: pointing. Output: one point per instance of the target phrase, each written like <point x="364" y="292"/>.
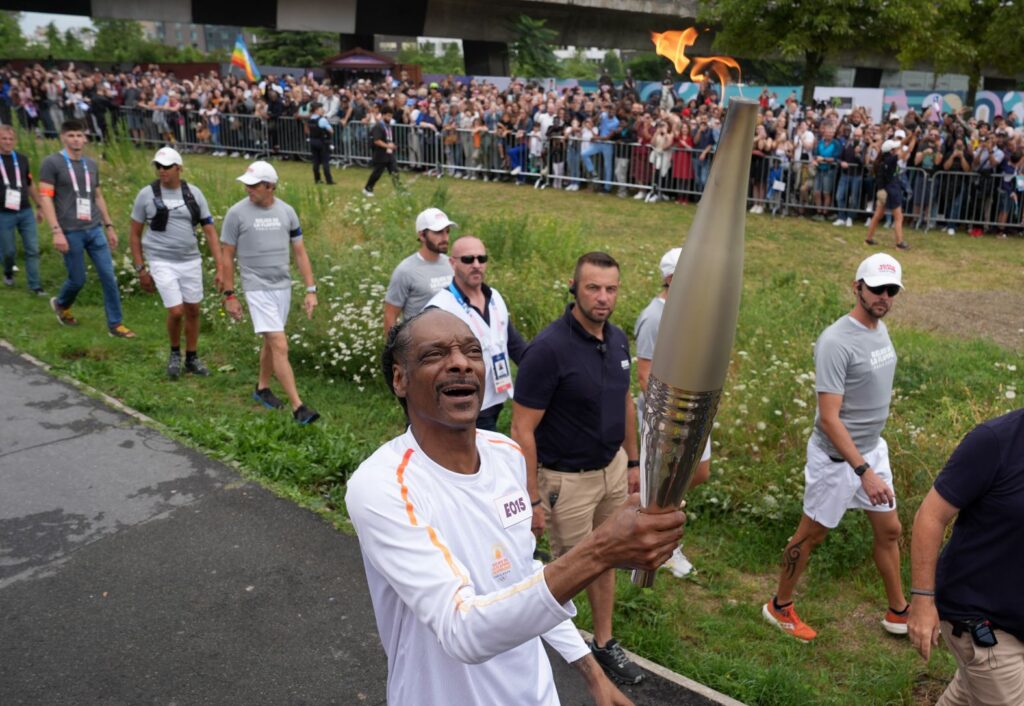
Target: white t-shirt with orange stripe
<point x="459" y="600"/>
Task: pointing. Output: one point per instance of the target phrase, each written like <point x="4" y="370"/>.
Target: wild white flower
<point x="1011" y="394"/>
<point x="761" y="426"/>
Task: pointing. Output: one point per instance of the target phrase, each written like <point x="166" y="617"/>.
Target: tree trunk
<point x="973" y="79"/>
<point x="812" y="64"/>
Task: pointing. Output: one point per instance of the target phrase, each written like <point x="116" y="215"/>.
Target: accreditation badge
<point x="12" y="200"/>
<point x="83" y="209"/>
<point x="502" y="374"/>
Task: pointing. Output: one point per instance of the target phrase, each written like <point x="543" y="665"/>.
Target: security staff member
<point x="574" y="418"/>
<point x="320" y="134"/>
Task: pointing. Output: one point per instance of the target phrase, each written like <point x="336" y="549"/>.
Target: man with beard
<point x="443" y="521"/>
<point x="574" y="418"/>
<point x="421" y="275"/>
<point x="847" y="458"/>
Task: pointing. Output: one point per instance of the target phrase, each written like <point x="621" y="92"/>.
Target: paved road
<point x="134" y="570"/>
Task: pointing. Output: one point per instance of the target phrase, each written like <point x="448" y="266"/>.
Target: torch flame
<point x="672" y="45"/>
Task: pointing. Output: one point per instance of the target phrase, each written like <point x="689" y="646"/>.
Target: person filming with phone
<point x="972" y="592"/>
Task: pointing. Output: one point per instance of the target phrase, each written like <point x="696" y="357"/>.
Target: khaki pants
<point x="987" y="676"/>
<point x="584" y="500"/>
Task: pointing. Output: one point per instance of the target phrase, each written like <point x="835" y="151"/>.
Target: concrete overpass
<point x="483" y="26"/>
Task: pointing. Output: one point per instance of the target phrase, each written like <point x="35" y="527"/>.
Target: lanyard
<point x="74" y="179"/>
<point x="17" y="172"/>
<point x="387" y="131"/>
<point x="482" y="334"/>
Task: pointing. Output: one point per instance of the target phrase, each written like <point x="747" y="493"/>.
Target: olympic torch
<point x="691" y="355"/>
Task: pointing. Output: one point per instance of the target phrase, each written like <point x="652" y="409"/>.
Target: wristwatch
<point x="139" y="267"/>
<point x="861" y="469"/>
<point x="311" y="289"/>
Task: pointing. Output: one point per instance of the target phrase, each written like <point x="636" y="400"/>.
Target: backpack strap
<point x="190" y="203"/>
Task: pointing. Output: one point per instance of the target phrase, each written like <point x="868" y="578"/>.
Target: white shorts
<point x="269" y="309"/>
<point x="178" y="282"/>
<point x="832" y="487"/>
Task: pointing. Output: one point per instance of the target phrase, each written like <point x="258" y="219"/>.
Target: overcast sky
<point x="31" y="20"/>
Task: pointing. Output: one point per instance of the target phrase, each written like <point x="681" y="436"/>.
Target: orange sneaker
<point x="786" y="620"/>
<point x="895" y="623"/>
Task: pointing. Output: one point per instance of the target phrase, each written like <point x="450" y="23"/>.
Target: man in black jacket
<point x="320" y="134"/>
<point x="382" y="139"/>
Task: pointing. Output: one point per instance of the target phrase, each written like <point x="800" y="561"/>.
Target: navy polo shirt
<point x="981" y="571"/>
<point x="581" y="383"/>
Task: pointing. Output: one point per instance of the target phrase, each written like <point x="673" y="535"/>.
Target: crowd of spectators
<point x="815" y="160"/>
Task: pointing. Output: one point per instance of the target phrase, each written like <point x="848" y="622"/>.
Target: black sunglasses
<point x="163" y="166"/>
<point x="468" y="259"/>
<point x="891" y="289"/>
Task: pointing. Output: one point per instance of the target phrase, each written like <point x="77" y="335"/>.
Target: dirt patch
<point x="992" y="315"/>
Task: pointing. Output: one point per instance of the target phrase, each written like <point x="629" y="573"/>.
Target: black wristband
<point x="862" y="469"/>
<point x="228" y="293"/>
<point x="535" y="503"/>
<point x="108" y="225"/>
<point x="632" y="464"/>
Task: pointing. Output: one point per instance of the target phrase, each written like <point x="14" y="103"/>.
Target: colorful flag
<point x="241" y="58"/>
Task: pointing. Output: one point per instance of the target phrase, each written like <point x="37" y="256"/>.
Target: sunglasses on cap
<point x="468" y="259"/>
<point x="891" y="289"/>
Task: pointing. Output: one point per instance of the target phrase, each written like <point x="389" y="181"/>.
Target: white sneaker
<point x="515" y="171"/>
<point x="839" y="222"/>
<point x="678" y="564"/>
<point x="760" y="209"/>
<point x="753" y="209"/>
<point x="367" y="194"/>
<point x="849" y="223"/>
<point x="867" y="221"/>
<point x="639" y="195"/>
<point x="950" y="231"/>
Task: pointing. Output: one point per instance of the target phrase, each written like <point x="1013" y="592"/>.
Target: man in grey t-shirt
<point x="847" y="458"/>
<point x="259" y="230"/>
<point x="424" y="273"/>
<point x="164" y="218"/>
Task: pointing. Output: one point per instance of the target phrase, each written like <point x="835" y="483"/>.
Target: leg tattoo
<point x="791" y="557"/>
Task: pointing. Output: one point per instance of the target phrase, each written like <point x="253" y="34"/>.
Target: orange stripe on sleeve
<point x="506" y="443"/>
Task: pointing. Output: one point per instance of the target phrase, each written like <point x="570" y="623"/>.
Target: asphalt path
<point x="134" y="570"/>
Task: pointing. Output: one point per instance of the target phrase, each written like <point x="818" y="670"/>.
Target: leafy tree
<point x="968" y="36"/>
<point x="450" y="62"/>
<point x="532" y="55"/>
<point x="576" y="66"/>
<point x="281" y="48"/>
<point x="123" y="41"/>
<point x="648" y="66"/>
<point x="612" y="64"/>
<point x="73" y="46"/>
<point x="12" y="42"/>
<point x="813" y="32"/>
<point x="54" y="42"/>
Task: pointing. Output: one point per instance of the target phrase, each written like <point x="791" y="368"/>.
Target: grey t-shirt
<point x="646" y="329"/>
<point x="858" y="363"/>
<point x="261" y="237"/>
<point x="176" y="243"/>
<point x="54" y="170"/>
<point x="415" y="281"/>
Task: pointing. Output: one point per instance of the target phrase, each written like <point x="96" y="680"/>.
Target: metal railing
<point x="932" y="199"/>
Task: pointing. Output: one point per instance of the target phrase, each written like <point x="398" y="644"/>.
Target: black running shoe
<point x="195" y="366"/>
<point x="174" y="365"/>
<point x="616" y="664"/>
<point x="267" y="398"/>
<point x="305" y="415"/>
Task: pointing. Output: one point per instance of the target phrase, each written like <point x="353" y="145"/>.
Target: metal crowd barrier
<point x="933" y="199"/>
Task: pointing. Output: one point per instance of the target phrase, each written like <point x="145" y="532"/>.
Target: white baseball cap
<point x="669" y="261"/>
<point x="259" y="171"/>
<point x="167" y="156"/>
<point x="433" y="219"/>
<point x="899" y="134"/>
<point x="890" y="145"/>
<point x="880" y="269"/>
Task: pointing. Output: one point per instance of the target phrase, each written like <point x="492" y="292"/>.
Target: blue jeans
<point x="848" y="194"/>
<point x="701" y="170"/>
<point x="605" y="150"/>
<point x="93" y="242"/>
<point x="25" y="223"/>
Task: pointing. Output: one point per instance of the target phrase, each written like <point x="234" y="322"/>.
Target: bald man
<point x="486" y="314"/>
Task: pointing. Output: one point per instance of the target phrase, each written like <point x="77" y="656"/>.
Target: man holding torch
<point x="847" y="458"/>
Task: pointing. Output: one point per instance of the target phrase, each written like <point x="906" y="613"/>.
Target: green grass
<point x="796" y="282"/>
